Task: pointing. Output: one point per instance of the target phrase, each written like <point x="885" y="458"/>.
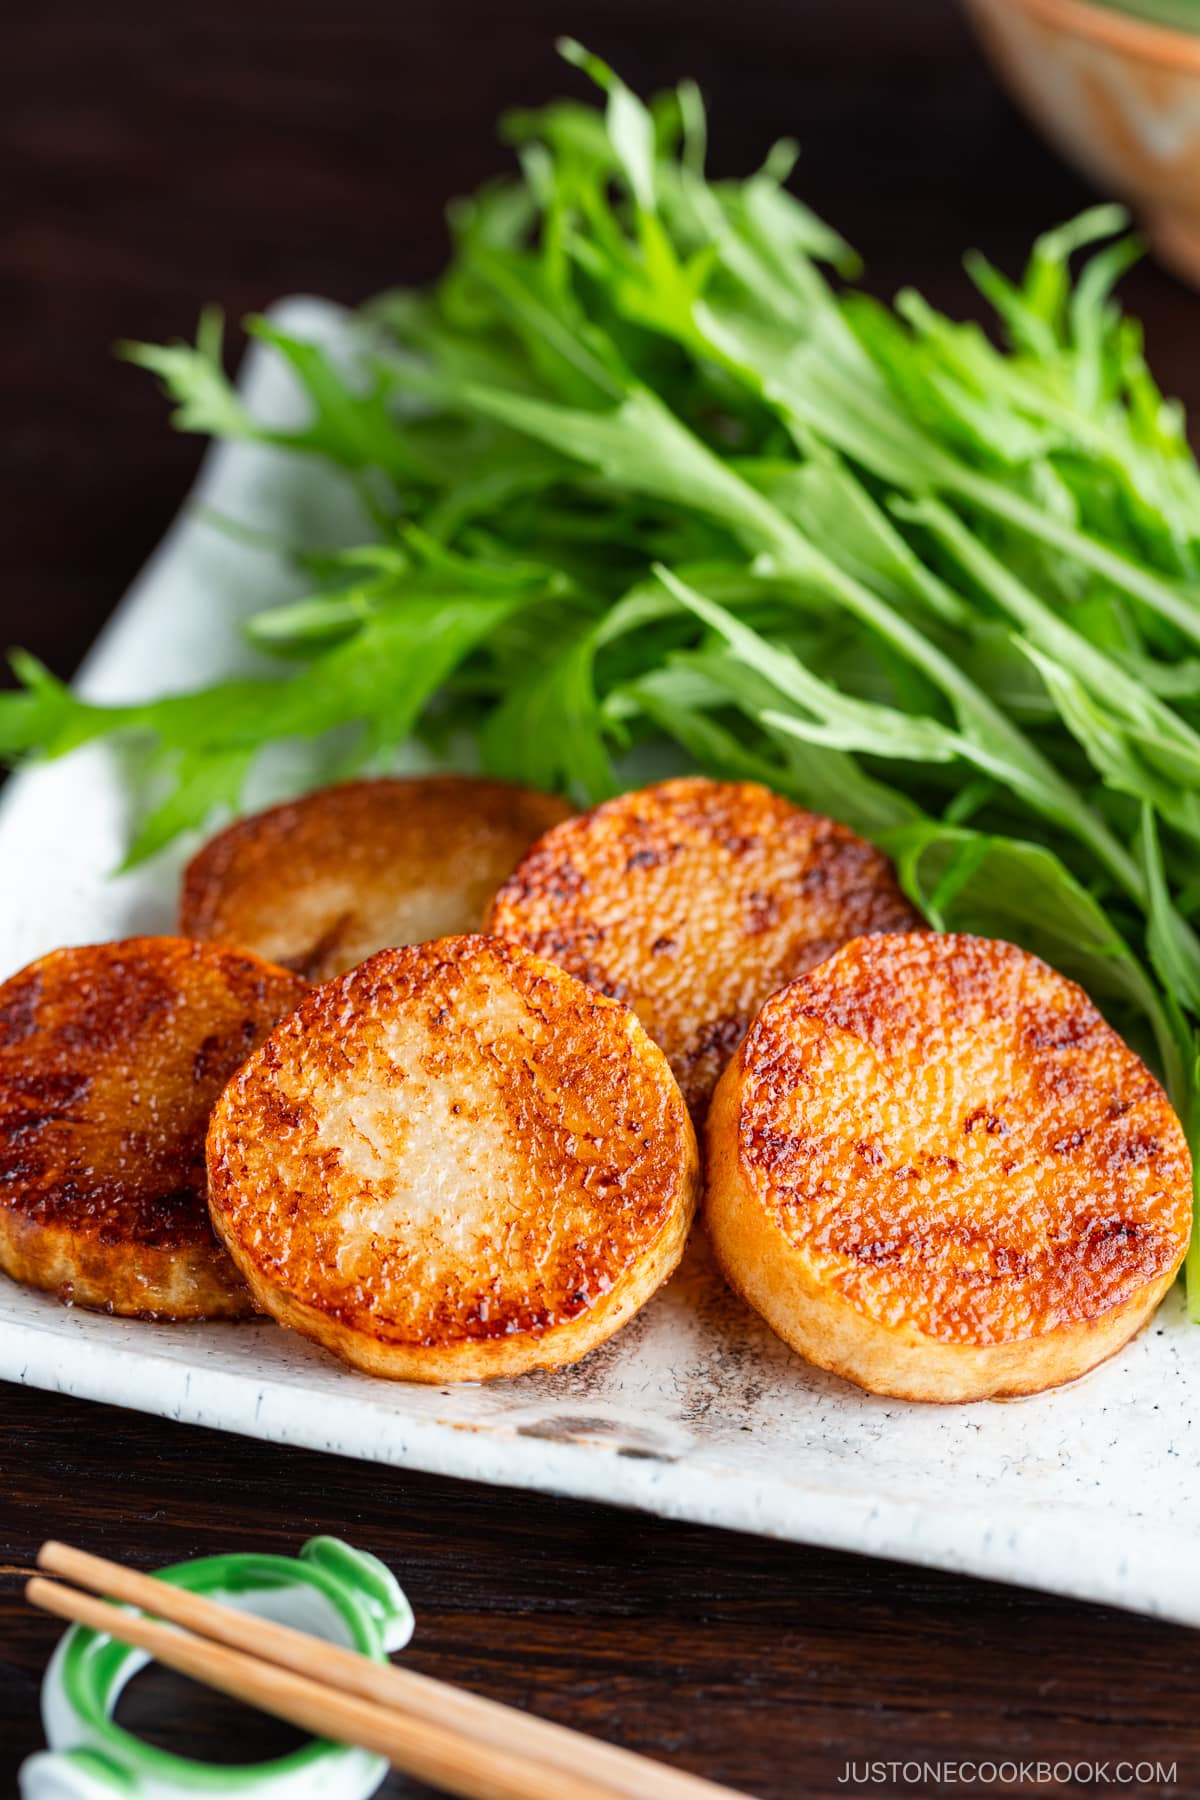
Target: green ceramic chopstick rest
<point x="330" y="1590"/>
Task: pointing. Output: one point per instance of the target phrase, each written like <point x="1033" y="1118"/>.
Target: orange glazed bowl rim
<point x="1122" y="32"/>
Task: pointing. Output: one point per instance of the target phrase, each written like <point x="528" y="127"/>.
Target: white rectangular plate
<point x="695" y="1411"/>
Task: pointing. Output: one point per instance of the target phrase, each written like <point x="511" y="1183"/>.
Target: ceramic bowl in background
<point x="1119" y="97"/>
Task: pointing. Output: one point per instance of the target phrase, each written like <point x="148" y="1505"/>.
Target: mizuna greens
<point x="641" y="474"/>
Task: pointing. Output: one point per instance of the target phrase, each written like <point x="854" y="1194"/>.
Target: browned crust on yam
<point x="935" y="1169"/>
<point x="692" y="901"/>
<point x="319" y="883"/>
<point x="454" y="1162"/>
<point x="111" y="1057"/>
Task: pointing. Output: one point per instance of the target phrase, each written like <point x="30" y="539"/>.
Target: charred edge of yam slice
<point x="177" y="1282"/>
<point x="692" y="901"/>
<point x="936" y="1170"/>
<point x="453" y="1163"/>
<point x="111" y="1058"/>
<point x="319" y="883"/>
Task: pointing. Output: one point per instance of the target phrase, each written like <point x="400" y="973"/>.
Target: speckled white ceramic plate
<point x="694" y="1411"/>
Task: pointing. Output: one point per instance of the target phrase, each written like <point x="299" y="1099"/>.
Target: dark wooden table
<point x="156" y="156"/>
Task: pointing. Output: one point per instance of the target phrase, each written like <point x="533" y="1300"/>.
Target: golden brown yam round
<point x="111" y="1057"/>
<point x="452" y="1163"/>
<point x="935" y="1169"/>
<point x="322" y="882"/>
<point x="692" y="901"/>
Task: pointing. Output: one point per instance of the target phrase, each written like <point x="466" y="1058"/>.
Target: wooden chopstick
<point x="402" y="1690"/>
<point x="473" y="1747"/>
<point x="479" y="1772"/>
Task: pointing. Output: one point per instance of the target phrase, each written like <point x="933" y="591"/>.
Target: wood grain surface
<point x="153" y="157"/>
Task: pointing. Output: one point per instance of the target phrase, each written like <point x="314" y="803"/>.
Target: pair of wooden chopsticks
<point x="472" y="1747"/>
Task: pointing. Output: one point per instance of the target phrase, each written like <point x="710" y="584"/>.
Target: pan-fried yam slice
<point x="111" y="1057"/>
<point x="322" y="882"/>
<point x="692" y="901"/>
<point x="454" y="1162"/>
<point x="935" y="1169"/>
